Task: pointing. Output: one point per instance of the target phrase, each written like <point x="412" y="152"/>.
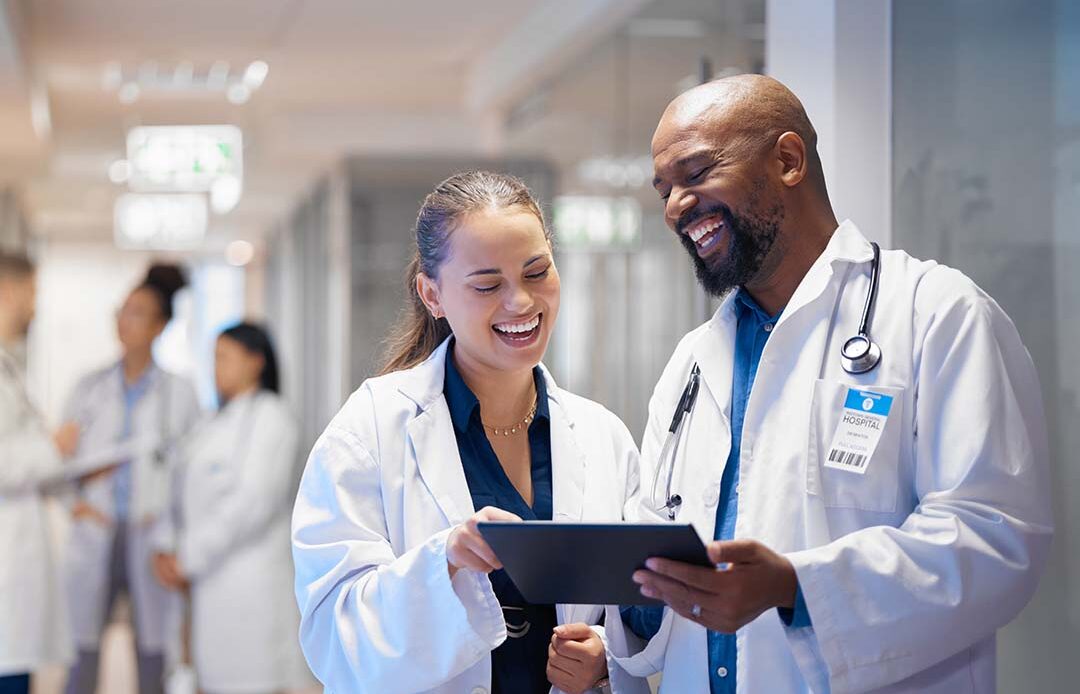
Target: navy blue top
<point x="754" y="326"/>
<point x="519" y="664"/>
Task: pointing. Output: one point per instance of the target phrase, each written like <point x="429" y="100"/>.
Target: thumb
<point x="733" y="551"/>
<point x="573" y="632"/>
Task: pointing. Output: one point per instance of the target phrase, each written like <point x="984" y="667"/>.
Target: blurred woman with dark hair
<point x="230" y="547"/>
<point x="136" y="407"/>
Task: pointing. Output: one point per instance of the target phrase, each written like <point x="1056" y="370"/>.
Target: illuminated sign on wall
<point x="159" y="221"/>
<point x="597" y="222"/>
<point x="184" y="158"/>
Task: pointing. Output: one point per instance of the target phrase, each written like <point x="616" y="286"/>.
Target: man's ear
<point x="791" y="154"/>
<point x="428" y="289"/>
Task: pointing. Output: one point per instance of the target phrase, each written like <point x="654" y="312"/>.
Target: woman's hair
<point x="417" y="332"/>
<point x="256" y="340"/>
<point x="165" y="280"/>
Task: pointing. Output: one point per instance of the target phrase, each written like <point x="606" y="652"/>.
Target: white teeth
<point x="699" y="233"/>
<point x="518" y="327"/>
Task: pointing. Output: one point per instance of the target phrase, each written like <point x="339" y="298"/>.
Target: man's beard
<point x="750" y="237"/>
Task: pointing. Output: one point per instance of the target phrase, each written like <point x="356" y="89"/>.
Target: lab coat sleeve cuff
<point x="812" y="657"/>
<point x="619" y="681"/>
<point x="796" y="616"/>
<point x="474" y="593"/>
<point x="191" y="563"/>
<point x="629" y="654"/>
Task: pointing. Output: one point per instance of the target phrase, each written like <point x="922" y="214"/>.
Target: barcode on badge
<point x="847" y="458"/>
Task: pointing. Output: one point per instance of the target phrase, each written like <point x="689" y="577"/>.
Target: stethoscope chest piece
<point x="859" y="355"/>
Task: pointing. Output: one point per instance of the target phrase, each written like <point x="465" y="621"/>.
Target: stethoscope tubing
<point x="868" y="361"/>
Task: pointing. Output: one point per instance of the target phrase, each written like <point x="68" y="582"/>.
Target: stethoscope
<point x="859" y="355"/>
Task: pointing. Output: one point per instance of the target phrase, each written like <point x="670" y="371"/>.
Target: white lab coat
<point x="382" y="490"/>
<point x="236" y="481"/>
<point x="169" y="409"/>
<point x="33" y="616"/>
<point x="909" y="569"/>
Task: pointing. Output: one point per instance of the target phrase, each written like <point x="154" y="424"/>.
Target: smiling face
<point x="718" y="196"/>
<point x="498" y="288"/>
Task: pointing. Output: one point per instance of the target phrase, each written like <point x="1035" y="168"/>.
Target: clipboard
<point x="587" y="563"/>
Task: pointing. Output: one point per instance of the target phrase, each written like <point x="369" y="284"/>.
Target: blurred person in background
<point x="228" y="542"/>
<point x="398" y="590"/>
<point x="134" y="402"/>
<point x="33" y="621"/>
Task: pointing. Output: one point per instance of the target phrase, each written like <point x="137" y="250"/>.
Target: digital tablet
<point x="587" y="563"/>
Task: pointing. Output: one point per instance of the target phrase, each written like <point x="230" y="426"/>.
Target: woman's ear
<point x="428" y="289"/>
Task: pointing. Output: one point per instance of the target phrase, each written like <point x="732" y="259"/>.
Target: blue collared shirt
<point x="133" y="393"/>
<point x="754" y="326"/>
<point x="519" y="664"/>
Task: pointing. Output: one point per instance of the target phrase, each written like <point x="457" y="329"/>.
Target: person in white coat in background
<point x="229" y="542"/>
<point x="140" y="405"/>
<point x="398" y="591"/>
<point x="33" y="622"/>
<point x="867" y="455"/>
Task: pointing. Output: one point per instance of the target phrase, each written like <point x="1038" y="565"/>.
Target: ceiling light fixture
<point x="239" y="253"/>
<point x="159" y="222"/>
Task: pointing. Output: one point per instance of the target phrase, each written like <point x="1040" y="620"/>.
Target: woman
<point x="398" y="592"/>
<point x="237" y="479"/>
<point x="146" y="409"/>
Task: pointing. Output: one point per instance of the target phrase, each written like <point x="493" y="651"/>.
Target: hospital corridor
<point x="539" y="346"/>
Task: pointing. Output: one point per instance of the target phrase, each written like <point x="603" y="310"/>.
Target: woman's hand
<point x="466" y="548"/>
<point x="167" y="571"/>
<point x="576" y="658"/>
<point x="66" y="439"/>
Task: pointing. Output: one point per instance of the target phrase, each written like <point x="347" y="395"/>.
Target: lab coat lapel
<point x="714" y="353"/>
<point x="568" y="461"/>
<point x="434" y="444"/>
<point x="846" y="245"/>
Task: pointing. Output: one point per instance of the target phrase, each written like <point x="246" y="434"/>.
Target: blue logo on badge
<point x="868" y="401"/>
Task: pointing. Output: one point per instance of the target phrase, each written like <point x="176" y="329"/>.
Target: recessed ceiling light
<point x="119" y="171"/>
<point x="255" y="74"/>
<point x="238" y="94"/>
<point x="225" y="194"/>
<point x="129" y="93"/>
<point x="239" y="253"/>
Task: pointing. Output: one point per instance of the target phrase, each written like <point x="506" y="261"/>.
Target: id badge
<point x="861" y="425"/>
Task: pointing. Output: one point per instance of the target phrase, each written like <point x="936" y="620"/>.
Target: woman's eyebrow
<point x="485" y="271"/>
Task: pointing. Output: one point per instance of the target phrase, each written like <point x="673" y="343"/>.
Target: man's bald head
<point x="751" y="112"/>
<point x="736" y="164"/>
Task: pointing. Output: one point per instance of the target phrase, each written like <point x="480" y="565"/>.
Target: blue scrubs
<point x="519" y="664"/>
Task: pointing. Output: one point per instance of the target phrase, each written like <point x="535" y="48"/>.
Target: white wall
<point x="80" y="288"/>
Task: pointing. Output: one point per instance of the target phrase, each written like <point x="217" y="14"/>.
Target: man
<point x="33" y="626"/>
<point x="873" y="528"/>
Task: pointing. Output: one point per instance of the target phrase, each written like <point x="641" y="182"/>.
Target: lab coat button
<point x="722" y="671"/>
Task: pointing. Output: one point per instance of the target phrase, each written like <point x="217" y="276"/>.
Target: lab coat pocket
<point x="875" y="488"/>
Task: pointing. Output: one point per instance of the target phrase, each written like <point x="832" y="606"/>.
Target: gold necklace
<point x="520" y="426"/>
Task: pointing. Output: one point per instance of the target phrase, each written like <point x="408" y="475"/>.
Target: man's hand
<point x="84" y="511"/>
<point x="167" y="571"/>
<point x="66" y="439"/>
<point x="466" y="548"/>
<point x="576" y="658"/>
<point x="750" y="579"/>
